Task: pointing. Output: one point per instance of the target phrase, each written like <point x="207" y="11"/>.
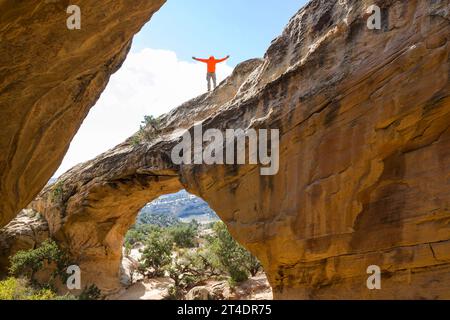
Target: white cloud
<point x="150" y="82"/>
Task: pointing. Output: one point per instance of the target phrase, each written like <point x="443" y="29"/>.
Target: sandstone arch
<point x="364" y="118"/>
<point x="91" y="207"/>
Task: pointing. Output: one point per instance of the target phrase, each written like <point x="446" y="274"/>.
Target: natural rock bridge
<point x="364" y="118"/>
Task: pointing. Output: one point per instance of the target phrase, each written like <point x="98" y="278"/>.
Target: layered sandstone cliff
<point x="364" y="120"/>
<point x="50" y="77"/>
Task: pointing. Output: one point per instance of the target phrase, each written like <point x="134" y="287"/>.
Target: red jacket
<point x="211" y="62"/>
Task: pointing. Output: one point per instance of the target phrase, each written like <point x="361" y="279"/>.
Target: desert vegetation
<point x="147" y="131"/>
<point x="190" y="254"/>
<point x="27" y="270"/>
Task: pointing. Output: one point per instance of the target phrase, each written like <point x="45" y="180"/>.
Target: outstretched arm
<point x="201" y="60"/>
<point x="222" y="60"/>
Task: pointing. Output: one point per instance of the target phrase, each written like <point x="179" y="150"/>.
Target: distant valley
<point x="182" y="205"/>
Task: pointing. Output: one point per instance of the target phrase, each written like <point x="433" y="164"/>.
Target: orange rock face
<point x="364" y="158"/>
<point x="364" y="120"/>
<point x="50" y="77"/>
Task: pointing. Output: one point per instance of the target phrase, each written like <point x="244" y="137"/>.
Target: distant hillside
<point x="181" y="205"/>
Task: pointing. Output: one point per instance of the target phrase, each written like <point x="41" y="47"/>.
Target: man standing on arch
<point x="211" y="62"/>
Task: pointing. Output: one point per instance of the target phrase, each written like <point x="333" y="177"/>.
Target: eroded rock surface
<point x="364" y="179"/>
<point x="50" y="77"/>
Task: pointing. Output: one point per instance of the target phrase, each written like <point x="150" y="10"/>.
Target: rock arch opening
<point x="179" y="217"/>
<point x="179" y="245"/>
<point x="89" y="221"/>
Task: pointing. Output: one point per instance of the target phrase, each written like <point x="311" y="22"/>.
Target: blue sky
<point x="241" y="28"/>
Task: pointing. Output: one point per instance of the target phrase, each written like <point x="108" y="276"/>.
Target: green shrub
<point x="185" y="274"/>
<point x="43" y="294"/>
<point x="136" y="140"/>
<point x="147" y="132"/>
<point x="237" y="275"/>
<point x="252" y="264"/>
<point x="139" y="233"/>
<point x="158" y="219"/>
<point x="232" y="257"/>
<point x="183" y="235"/>
<point x="11" y="289"/>
<point x="188" y="270"/>
<point x="91" y="292"/>
<point x="128" y="248"/>
<point x="157" y="253"/>
<point x="27" y="262"/>
<point x="57" y="194"/>
<point x="151" y="122"/>
<point x="19" y="289"/>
